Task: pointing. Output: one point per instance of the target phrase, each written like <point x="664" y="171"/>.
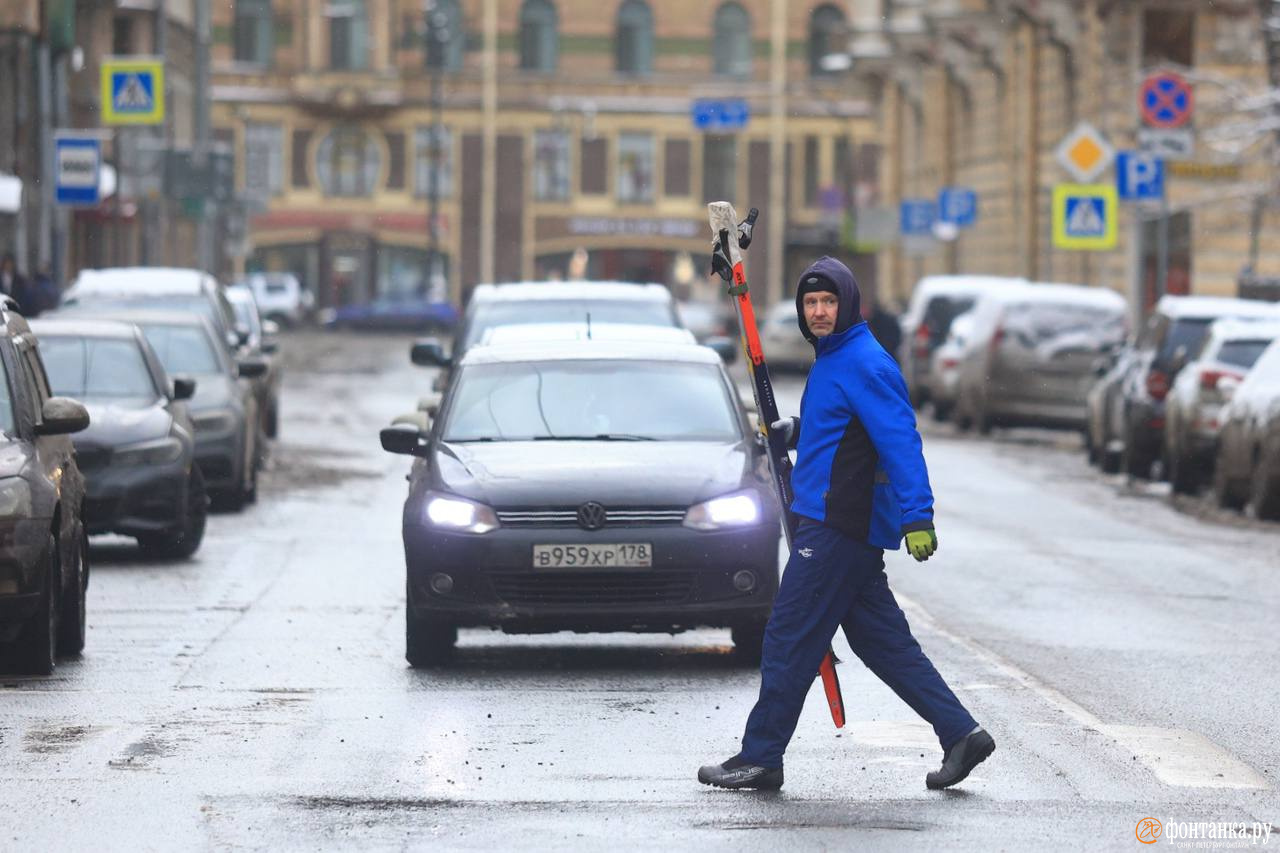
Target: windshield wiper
<point x="603" y="436"/>
<point x="469" y="440"/>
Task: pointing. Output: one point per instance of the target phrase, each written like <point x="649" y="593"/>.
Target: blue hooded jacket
<point x="859" y="463"/>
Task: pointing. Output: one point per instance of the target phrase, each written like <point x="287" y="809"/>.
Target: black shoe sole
<point x="749" y="786"/>
<point x="984" y="752"/>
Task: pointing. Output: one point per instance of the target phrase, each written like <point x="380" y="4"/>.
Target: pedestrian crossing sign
<point x="132" y="90"/>
<point x="1084" y="216"/>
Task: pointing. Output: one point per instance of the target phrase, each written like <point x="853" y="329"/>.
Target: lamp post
<point x="438" y="36"/>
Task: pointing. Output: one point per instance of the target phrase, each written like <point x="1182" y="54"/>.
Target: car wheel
<point x="71" y="621"/>
<point x="942" y="412"/>
<point x="36" y="648"/>
<point x="1225" y="492"/>
<point x="1090" y="449"/>
<point x="982" y="421"/>
<point x="1134" y="462"/>
<point x="251" y="491"/>
<point x="1266" y="489"/>
<point x="273" y="421"/>
<point x="184" y="540"/>
<point x="1183" y="473"/>
<point x="748" y="642"/>
<point x="427" y="642"/>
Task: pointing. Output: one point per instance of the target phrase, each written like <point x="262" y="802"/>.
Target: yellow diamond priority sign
<point x="1085" y="152"/>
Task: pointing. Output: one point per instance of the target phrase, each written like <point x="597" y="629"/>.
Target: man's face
<point x="820" y="310"/>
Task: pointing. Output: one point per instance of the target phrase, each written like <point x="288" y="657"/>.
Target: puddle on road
<point x="51" y="740"/>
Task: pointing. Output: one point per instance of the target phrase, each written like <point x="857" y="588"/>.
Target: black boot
<point x="736" y="773"/>
<point x="964" y="755"/>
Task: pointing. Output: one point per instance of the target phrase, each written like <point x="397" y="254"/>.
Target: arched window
<point x="732" y="47"/>
<point x="826" y="37"/>
<point x="633" y="49"/>
<point x="348" y="162"/>
<point x="539" y="40"/>
<point x="348" y="35"/>
<point x="254" y="36"/>
<point x="446" y="35"/>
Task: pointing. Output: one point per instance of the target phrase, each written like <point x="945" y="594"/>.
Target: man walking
<point x="860" y="486"/>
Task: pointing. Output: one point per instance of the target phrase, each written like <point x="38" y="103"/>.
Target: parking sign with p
<point x="1139" y="176"/>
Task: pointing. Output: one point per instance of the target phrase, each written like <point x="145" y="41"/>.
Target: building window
<point x="826" y="37"/>
<point x="263" y="159"/>
<point x="550" y="165"/>
<point x="348" y="35"/>
<point x="635" y="167"/>
<point x="732" y="47"/>
<point x="1167" y="37"/>
<point x="254" y="38"/>
<point x="719" y="167"/>
<point x="538" y="36"/>
<point x="122" y="35"/>
<point x="347" y="162"/>
<point x="428" y="161"/>
<point x="447" y="37"/>
<point x="812" y="166"/>
<point x="633" y="51"/>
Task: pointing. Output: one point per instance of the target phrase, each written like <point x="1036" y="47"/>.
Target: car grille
<point x="93" y="458"/>
<point x="568" y="517"/>
<point x="532" y="589"/>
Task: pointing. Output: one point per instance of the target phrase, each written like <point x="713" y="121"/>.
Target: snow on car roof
<point x="522" y="291"/>
<point x="593" y="350"/>
<point x="542" y="332"/>
<point x="1076" y="294"/>
<point x="55" y="326"/>
<point x="934" y="285"/>
<point x="141" y="281"/>
<point x="1216" y="306"/>
<point x="1246" y="329"/>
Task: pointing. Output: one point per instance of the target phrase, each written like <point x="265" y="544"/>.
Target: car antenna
<point x="588" y="325"/>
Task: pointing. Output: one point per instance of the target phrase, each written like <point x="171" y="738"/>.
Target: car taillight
<point x="997" y="338"/>
<point x="1157" y="384"/>
<point x="1209" y="378"/>
<point x="948" y="363"/>
<point x="922" y="340"/>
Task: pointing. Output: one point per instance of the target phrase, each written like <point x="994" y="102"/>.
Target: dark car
<point x="262" y="345"/>
<point x="1175" y="329"/>
<point x="588" y="486"/>
<point x="405" y="313"/>
<point x="223" y="409"/>
<point x="1248" y="466"/>
<point x="44" y="569"/>
<point x="138" y="454"/>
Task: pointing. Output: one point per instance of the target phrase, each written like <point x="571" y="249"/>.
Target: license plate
<point x="631" y="555"/>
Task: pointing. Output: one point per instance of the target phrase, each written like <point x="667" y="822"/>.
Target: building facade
<point x="563" y="125"/>
<point x="979" y="94"/>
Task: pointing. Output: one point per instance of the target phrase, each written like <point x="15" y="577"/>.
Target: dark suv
<point x="43" y="567"/>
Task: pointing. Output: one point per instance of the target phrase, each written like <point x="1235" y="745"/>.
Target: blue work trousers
<point x="832" y="580"/>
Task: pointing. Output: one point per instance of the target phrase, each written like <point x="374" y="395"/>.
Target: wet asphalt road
<point x="1123" y="652"/>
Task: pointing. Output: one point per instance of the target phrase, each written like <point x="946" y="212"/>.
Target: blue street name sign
<point x="720" y="114"/>
<point x="77" y="162"/>
<point x="916" y="217"/>
<point x="1139" y="176"/>
<point x="959" y="206"/>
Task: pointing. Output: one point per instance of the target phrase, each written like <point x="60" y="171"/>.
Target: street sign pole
<point x="1162" y="249"/>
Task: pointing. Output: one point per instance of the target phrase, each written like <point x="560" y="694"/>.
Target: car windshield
<point x="88" y="368"/>
<point x="627" y="311"/>
<point x="182" y="349"/>
<point x="579" y="400"/>
<point x="6" y="404"/>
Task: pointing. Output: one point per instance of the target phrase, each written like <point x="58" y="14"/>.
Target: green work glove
<point x="922" y="544"/>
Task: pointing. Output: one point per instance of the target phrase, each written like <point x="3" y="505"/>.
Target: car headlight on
<point x="215" y="422"/>
<point x="158" y="452"/>
<point x="738" y="509"/>
<point x="15" y="498"/>
<point x="452" y="513"/>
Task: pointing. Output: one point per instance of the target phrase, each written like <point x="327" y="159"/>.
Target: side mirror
<point x="61" y="416"/>
<point x="429" y="354"/>
<point x="184" y="388"/>
<point x="251" y="368"/>
<point x="402" y="438"/>
<point x="242" y="334"/>
<point x="725" y="347"/>
<point x="430" y="404"/>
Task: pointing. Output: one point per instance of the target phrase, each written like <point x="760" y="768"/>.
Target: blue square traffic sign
<point x="1139" y="176"/>
<point x="959" y="206"/>
<point x="916" y="217"/>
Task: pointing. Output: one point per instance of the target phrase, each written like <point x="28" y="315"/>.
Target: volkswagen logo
<point x="591" y="516"/>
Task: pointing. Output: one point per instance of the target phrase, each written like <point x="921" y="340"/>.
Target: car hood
<point x="123" y="422"/>
<point x="553" y="473"/>
<point x="14" y="456"/>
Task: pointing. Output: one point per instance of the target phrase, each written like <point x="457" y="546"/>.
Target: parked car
<point x="1248" y="466"/>
<point x="1193" y="407"/>
<point x="406" y="313"/>
<point x="139" y="452"/>
<point x="707" y="319"/>
<point x="935" y="302"/>
<point x="1103" y="405"/>
<point x="223" y="408"/>
<point x="98" y="292"/>
<point x="262" y="344"/>
<point x="280" y="297"/>
<point x="944" y="370"/>
<point x="1032" y="356"/>
<point x="1174" y="330"/>
<point x="587" y="486"/>
<point x="548" y="302"/>
<point x="44" y="566"/>
<point x="785" y="348"/>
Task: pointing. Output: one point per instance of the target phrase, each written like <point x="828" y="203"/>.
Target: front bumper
<point x="135" y="499"/>
<point x="690" y="584"/>
<point x="220" y="460"/>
